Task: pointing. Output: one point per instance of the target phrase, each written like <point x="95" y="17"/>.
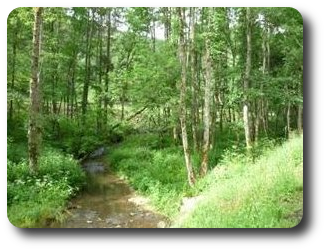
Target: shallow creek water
<point x="108" y="202"/>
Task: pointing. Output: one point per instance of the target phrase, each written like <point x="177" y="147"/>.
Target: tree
<point x="182" y="104"/>
<point x="207" y="98"/>
<point x="215" y="73"/>
<point x="107" y="65"/>
<point x="246" y="82"/>
<point x="88" y="53"/>
<point x="34" y="129"/>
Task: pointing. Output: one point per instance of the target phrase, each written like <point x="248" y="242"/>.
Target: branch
<point x="130" y="117"/>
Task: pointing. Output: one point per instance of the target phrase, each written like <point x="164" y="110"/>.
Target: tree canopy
<point x="103" y="70"/>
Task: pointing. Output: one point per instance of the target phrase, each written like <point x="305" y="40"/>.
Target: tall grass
<point x="266" y="194"/>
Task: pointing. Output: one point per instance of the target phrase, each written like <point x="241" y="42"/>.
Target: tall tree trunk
<point x="13" y="68"/>
<point x="259" y="119"/>
<point x="55" y="72"/>
<point x="264" y="108"/>
<point x="167" y="22"/>
<point x="73" y="90"/>
<point x="86" y="83"/>
<point x="182" y="55"/>
<point x="108" y="63"/>
<point x="34" y="129"/>
<point x="194" y="93"/>
<point x="89" y="35"/>
<point x="207" y="104"/>
<point x="246" y="103"/>
<point x="98" y="93"/>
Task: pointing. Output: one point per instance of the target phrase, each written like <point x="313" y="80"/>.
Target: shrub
<point x="34" y="198"/>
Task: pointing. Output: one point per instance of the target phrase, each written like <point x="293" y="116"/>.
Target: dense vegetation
<point x="266" y="194"/>
<point x="183" y="97"/>
<point x="34" y="199"/>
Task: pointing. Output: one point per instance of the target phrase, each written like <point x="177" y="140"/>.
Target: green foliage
<point x="32" y="199"/>
<point x="156" y="172"/>
<point x="265" y="194"/>
<point x="16" y="151"/>
<point x="137" y="72"/>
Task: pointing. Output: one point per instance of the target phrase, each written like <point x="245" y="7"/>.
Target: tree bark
<point x="207" y="105"/>
<point x="182" y="107"/>
<point x="89" y="36"/>
<point x="99" y="92"/>
<point x="13" y="68"/>
<point x="300" y="112"/>
<point x="194" y="101"/>
<point x="246" y="103"/>
<point x="300" y="119"/>
<point x="107" y="70"/>
<point x="288" y="120"/>
<point x="34" y="129"/>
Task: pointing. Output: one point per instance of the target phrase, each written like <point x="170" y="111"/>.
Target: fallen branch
<point x="130" y="117"/>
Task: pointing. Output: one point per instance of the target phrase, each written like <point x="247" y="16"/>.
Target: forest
<point x="168" y="117"/>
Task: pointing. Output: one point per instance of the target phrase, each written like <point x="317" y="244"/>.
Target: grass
<point x="237" y="192"/>
<point x="266" y="194"/>
<point x="154" y="168"/>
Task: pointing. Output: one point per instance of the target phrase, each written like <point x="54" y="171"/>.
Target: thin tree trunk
<point x="34" y="129"/>
<point x="300" y="112"/>
<point x="288" y="120"/>
<point x="288" y="114"/>
<point x="300" y="115"/>
<point x="213" y="131"/>
<point x="108" y="62"/>
<point x="73" y="91"/>
<point x="13" y="72"/>
<point x="86" y="83"/>
<point x="246" y="105"/>
<point x="194" y="101"/>
<point x="89" y="36"/>
<point x="182" y="55"/>
<point x="257" y="121"/>
<point x="98" y="93"/>
<point x="54" y="102"/>
<point x="122" y="99"/>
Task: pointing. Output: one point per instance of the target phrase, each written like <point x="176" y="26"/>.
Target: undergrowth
<point x="34" y="198"/>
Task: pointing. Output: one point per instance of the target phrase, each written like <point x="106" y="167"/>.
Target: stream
<point x="108" y="202"/>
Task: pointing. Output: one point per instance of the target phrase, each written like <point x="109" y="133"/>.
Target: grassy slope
<point x="267" y="194"/>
